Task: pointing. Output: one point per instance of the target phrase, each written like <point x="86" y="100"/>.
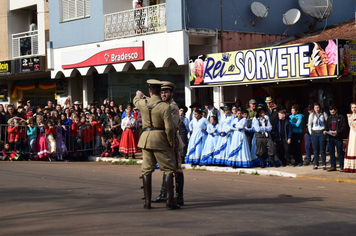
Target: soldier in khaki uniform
<point x="156" y="141"/>
<point x="167" y="95"/>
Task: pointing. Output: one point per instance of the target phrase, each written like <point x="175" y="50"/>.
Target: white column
<point x="87" y="90"/>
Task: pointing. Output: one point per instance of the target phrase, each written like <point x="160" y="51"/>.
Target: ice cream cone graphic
<point x="313" y="73"/>
<point x="322" y="70"/>
<point x="331" y="69"/>
<point x="320" y="61"/>
<point x="331" y="52"/>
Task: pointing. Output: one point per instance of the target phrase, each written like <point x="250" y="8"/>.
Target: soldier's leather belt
<point x="150" y="128"/>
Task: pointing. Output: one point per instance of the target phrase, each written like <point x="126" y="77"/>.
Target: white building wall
<point x="21" y="22"/>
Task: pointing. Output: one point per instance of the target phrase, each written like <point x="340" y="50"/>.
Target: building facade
<point x="24" y="32"/>
<point x="106" y="49"/>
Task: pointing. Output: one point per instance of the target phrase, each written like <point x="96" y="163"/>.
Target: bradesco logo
<point x="123" y="57"/>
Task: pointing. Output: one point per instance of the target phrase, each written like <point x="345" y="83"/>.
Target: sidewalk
<point x="290" y="171"/>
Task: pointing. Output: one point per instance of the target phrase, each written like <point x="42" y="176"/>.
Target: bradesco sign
<point x="266" y="64"/>
<point x="103" y="56"/>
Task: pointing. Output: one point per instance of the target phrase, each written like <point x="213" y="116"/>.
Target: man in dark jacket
<point x="11" y="112"/>
<point x="335" y="128"/>
<point x="283" y="137"/>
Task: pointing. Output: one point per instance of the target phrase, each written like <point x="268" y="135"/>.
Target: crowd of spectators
<point x="68" y="132"/>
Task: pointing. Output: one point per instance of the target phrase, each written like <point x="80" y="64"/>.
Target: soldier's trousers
<point x="162" y="157"/>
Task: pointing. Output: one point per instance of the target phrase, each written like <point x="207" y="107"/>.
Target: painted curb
<point x="240" y="170"/>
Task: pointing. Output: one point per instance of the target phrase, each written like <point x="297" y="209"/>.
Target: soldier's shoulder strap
<point x="150" y="109"/>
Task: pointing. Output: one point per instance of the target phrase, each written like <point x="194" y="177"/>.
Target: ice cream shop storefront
<point x="300" y="73"/>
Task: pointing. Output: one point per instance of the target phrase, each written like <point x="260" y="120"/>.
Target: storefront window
<point x="121" y="87"/>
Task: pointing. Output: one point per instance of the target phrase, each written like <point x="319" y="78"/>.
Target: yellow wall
<point x="4" y="51"/>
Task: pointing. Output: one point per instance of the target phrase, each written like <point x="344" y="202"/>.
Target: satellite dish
<point x="291" y="17"/>
<point x="317" y="9"/>
<point x="259" y="10"/>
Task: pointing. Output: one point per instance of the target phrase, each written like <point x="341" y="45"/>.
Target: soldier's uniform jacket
<point x="163" y="133"/>
<point x="176" y="120"/>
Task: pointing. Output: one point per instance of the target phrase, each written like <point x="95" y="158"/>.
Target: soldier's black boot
<point x="263" y="164"/>
<point x="147" y="190"/>
<point x="179" y="188"/>
<point x="271" y="158"/>
<point x="171" y="202"/>
<point x="162" y="196"/>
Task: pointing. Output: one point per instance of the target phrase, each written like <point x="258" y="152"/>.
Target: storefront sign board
<point x="6" y="67"/>
<point x="264" y="65"/>
<point x="103" y="56"/>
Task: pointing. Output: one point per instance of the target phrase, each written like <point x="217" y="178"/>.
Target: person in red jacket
<point x="97" y="127"/>
<point x="22" y="143"/>
<point x="12" y="134"/>
<point x="73" y="133"/>
<point x="50" y="136"/>
<point x="87" y="137"/>
<point x="9" y="154"/>
<point x="115" y="145"/>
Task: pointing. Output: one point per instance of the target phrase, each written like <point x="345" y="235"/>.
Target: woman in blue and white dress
<point x="197" y="139"/>
<point x="239" y="150"/>
<point x="221" y="152"/>
<point x="209" y="146"/>
<point x="250" y="131"/>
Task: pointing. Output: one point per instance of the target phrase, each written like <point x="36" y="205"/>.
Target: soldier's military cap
<point x="154" y="83"/>
<point x="168" y="85"/>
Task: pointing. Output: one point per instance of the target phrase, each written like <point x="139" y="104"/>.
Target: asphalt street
<point x="58" y="198"/>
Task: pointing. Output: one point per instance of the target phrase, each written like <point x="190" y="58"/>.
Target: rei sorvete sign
<point x="272" y="64"/>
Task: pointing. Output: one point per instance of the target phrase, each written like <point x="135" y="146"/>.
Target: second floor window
<point x="75" y="9"/>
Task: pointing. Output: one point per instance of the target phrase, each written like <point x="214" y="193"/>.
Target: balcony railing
<point x="144" y="20"/>
<point x="25" y="44"/>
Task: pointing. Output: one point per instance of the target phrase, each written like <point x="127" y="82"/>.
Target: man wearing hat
<point x="271" y="112"/>
<point x="183" y="130"/>
<point x="252" y="108"/>
<point x="29" y="104"/>
<point x="167" y="95"/>
<point x="264" y="143"/>
<point x="157" y="140"/>
<point x="211" y="111"/>
<point x="77" y="107"/>
<point x="194" y="107"/>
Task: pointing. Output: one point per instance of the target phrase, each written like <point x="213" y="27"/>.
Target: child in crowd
<point x="22" y="143"/>
<point x="87" y="137"/>
<point x="41" y="143"/>
<point x="115" y="147"/>
<point x="51" y="134"/>
<point x="61" y="148"/>
<point x="8" y="153"/>
<point x="31" y="135"/>
<point x="12" y="134"/>
<point x="107" y="146"/>
<point x="74" y="130"/>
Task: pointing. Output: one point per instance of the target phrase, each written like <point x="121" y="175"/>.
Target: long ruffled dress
<point x="221" y="152"/>
<point x="196" y="141"/>
<point x="350" y="154"/>
<point x="209" y="146"/>
<point x="41" y="144"/>
<point x="60" y="143"/>
<point x="239" y="150"/>
<point x="129" y="138"/>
